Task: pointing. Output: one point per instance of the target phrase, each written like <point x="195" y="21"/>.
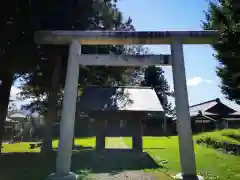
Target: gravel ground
<point x="125" y="175"/>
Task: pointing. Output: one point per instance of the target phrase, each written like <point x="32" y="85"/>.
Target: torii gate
<point x="75" y="39"/>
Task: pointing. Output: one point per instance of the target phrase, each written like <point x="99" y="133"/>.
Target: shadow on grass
<point x="27" y="166"/>
<point x="113" y="160"/>
<point x="37" y="166"/>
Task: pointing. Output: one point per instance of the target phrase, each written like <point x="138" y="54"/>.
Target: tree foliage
<point x="18" y="52"/>
<point x="19" y="55"/>
<point x="43" y="83"/>
<point x="93" y="15"/>
<point x="224" y="15"/>
<point x="154" y="77"/>
<point x="12" y="108"/>
<point x="17" y="47"/>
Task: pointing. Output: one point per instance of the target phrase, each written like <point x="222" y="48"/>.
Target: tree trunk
<point x="5" y="89"/>
<point x="52" y="105"/>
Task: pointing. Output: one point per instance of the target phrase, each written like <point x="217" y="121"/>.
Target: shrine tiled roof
<point x="95" y="98"/>
<point x="206" y="108"/>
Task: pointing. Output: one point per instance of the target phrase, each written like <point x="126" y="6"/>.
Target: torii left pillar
<point x="63" y="164"/>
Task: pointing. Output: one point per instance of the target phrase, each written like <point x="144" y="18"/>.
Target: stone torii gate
<point x="75" y="39"/>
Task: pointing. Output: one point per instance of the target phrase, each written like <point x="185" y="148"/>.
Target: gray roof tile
<point x="95" y="98"/>
<point x="203" y="106"/>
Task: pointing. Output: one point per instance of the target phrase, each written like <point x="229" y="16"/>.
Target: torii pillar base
<point x="179" y="176"/>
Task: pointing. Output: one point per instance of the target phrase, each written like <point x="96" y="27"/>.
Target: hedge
<point x="225" y="140"/>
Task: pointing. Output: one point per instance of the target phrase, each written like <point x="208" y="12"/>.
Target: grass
<point x="19" y="162"/>
<point x="85" y="142"/>
<point x="21" y="147"/>
<point x="33" y="165"/>
<point x="211" y="163"/>
<point x="24" y="146"/>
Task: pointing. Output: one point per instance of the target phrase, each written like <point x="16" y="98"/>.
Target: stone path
<point x="118" y="143"/>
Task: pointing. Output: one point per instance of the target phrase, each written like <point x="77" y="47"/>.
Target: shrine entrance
<point x="75" y="39"/>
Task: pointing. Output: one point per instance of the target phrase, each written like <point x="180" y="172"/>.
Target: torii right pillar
<point x="186" y="148"/>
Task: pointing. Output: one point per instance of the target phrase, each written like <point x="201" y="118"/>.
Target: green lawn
<point x="85" y="142"/>
<point x="208" y="160"/>
<point x="160" y="149"/>
<point x="24" y="146"/>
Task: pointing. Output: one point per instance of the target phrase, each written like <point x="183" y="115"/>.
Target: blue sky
<point x="153" y="15"/>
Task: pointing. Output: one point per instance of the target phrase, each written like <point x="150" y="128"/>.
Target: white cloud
<point x="194" y="81"/>
<point x="197" y="80"/>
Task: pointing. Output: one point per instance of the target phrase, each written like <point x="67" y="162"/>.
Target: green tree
<point x="224" y="15"/>
<point x="46" y="82"/>
<point x="17" y="49"/>
<point x="154" y="77"/>
<point x="12" y="108"/>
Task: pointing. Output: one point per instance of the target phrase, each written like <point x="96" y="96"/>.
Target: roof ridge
<point x="217" y="100"/>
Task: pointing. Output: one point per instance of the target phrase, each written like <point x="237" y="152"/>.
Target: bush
<point x="225" y="140"/>
<point x="232" y="133"/>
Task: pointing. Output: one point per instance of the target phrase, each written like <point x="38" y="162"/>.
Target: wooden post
<point x="137" y="136"/>
<point x="100" y="136"/>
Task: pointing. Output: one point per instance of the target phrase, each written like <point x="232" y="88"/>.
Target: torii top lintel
<point x="125" y="37"/>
